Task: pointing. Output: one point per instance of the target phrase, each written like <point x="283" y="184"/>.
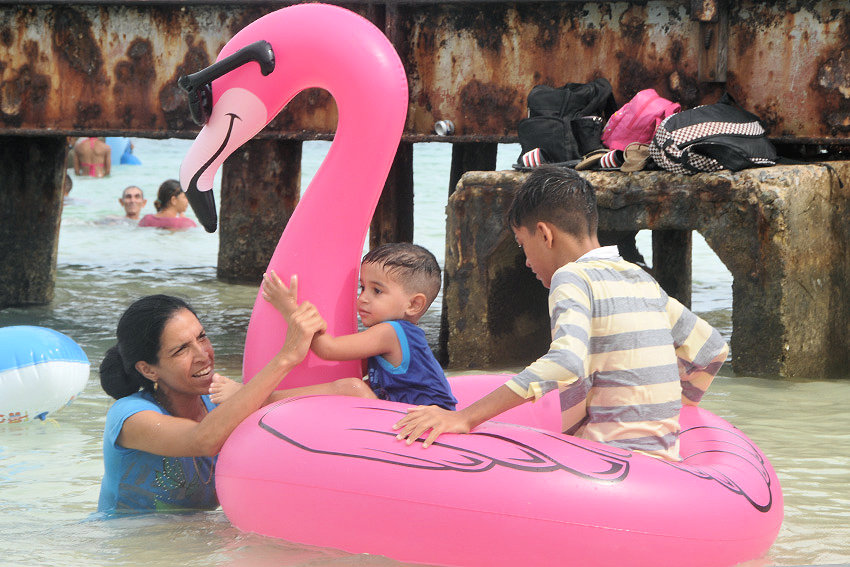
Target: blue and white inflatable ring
<point x="41" y="371"/>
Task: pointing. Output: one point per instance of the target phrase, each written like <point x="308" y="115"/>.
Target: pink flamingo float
<point x="328" y="471"/>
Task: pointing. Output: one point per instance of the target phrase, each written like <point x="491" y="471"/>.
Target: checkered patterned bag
<point x="710" y="138"/>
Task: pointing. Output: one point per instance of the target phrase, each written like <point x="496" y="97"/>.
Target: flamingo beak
<point x="203" y="204"/>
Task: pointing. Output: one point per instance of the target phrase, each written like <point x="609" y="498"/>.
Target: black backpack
<point x="566" y="122"/>
<point x="710" y="138"/>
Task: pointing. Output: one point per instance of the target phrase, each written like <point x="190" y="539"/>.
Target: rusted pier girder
<point x="783" y="232"/>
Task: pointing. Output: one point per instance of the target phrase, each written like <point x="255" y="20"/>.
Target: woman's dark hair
<point x="169" y="188"/>
<point x="556" y="195"/>
<point x="139" y="335"/>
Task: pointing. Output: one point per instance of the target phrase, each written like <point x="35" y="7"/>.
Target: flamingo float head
<point x="256" y="74"/>
<point x="199" y="90"/>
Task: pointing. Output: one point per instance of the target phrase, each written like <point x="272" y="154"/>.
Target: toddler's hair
<point x="413" y="266"/>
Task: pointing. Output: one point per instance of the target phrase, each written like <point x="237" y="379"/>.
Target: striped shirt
<point x="624" y="356"/>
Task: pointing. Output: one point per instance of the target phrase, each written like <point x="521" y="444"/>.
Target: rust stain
<point x="483" y="25"/>
<point x="25" y="94"/>
<point x="832" y="81"/>
<point x="633" y="24"/>
<point x="705" y="11"/>
<point x="87" y="113"/>
<point x="500" y="101"/>
<point x="313" y="107"/>
<point x="771" y="117"/>
<point x="134" y="79"/>
<point x="73" y="40"/>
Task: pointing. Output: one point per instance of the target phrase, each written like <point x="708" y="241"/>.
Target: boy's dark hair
<point x="415" y="267"/>
<point x="558" y="196"/>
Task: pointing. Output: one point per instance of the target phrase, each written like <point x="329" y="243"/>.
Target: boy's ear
<point x="418" y="305"/>
<point x="546" y="233"/>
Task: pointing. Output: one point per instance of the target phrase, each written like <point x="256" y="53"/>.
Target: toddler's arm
<point x="378" y="340"/>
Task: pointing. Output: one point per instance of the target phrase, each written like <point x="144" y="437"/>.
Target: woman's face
<point x="180" y="202"/>
<point x="186" y="357"/>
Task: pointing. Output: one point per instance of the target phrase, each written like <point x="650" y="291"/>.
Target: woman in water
<point x="162" y="434"/>
<point x="170" y="205"/>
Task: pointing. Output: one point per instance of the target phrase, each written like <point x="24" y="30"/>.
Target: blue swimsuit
<point x="418" y="380"/>
<point x="136" y="481"/>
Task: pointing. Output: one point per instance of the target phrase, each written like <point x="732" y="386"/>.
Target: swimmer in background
<point x="67" y="185"/>
<point x="171" y="204"/>
<point x="92" y="157"/>
<point x="133" y="200"/>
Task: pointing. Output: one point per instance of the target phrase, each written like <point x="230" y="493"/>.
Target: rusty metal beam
<point x="109" y="68"/>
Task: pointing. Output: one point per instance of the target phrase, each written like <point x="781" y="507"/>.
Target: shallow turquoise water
<point x="50" y="472"/>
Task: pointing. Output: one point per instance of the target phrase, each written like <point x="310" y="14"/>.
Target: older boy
<point x="624" y="356"/>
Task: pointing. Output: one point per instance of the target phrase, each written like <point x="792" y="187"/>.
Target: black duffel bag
<point x="566" y="122"/>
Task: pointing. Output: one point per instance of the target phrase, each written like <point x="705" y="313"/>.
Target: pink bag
<point x="637" y="120"/>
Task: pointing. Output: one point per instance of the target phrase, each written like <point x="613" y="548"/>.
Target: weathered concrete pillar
<point x="260" y="187"/>
<point x="393" y="219"/>
<point x="466" y="156"/>
<point x="471" y="156"/>
<point x="495" y="310"/>
<point x="783" y="232"/>
<point x="31" y="173"/>
<point x="671" y="262"/>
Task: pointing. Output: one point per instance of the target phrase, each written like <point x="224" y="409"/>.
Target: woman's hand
<point x="304" y="322"/>
<point x="284" y="299"/>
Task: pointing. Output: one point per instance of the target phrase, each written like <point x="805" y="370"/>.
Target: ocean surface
<point x="50" y="471"/>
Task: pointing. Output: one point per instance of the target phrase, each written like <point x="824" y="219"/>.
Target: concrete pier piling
<point x="783" y="233"/>
<point x="33" y="169"/>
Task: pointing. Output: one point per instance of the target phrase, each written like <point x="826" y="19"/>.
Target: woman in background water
<point x="163" y="433"/>
<point x="170" y="205"/>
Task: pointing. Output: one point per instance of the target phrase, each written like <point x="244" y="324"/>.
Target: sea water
<point x="50" y="471"/>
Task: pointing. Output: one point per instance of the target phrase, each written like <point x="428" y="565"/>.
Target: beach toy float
<point x="41" y="371"/>
<point x="122" y="151"/>
<point x="328" y="471"/>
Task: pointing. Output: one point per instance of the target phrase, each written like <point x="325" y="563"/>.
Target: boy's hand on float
<point x="422" y="418"/>
<point x="284" y="299"/>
